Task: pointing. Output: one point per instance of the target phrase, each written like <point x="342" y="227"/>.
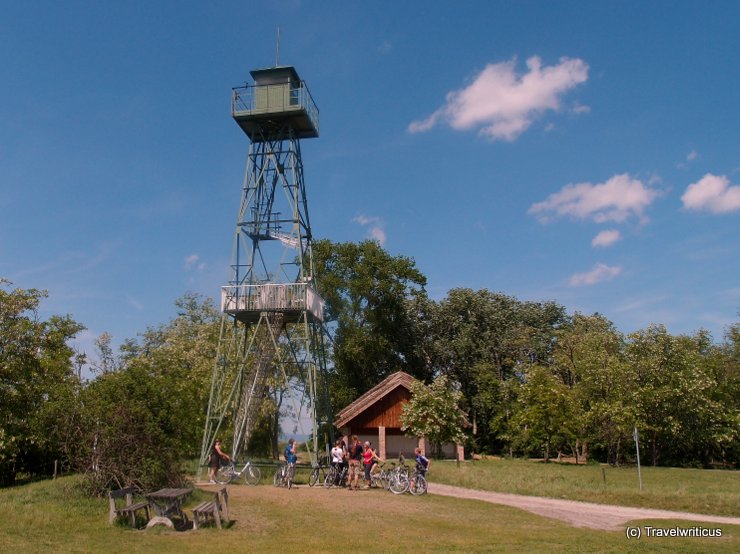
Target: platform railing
<point x="256" y="99"/>
<point x="273" y="297"/>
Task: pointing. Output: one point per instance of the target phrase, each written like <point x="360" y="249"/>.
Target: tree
<point x="681" y="398"/>
<point x="367" y="293"/>
<point x="546" y="419"/>
<point x="130" y="433"/>
<point x="179" y="356"/>
<point x="589" y="358"/>
<point x="482" y="340"/>
<point x="145" y="410"/>
<point x="723" y="364"/>
<point x="433" y="412"/>
<point x="106" y="360"/>
<point x="36" y="373"/>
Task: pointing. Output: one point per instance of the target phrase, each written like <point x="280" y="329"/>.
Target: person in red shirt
<point x="369" y="457"/>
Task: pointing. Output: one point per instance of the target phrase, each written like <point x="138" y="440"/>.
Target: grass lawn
<point x="52" y="516"/>
<point x="715" y="492"/>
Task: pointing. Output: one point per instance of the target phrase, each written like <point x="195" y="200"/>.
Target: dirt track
<point x="578" y="514"/>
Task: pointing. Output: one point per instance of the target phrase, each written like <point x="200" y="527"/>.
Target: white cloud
<point x="600" y="272"/>
<point x="712" y="193"/>
<point x="615" y="200"/>
<point x="376" y="226"/>
<point x="385" y="47"/>
<point x="191" y="261"/>
<point x="504" y="104"/>
<point x="606" y="238"/>
<point x="134" y="303"/>
<point x="366" y="220"/>
<point x="378" y="234"/>
<point x="690" y="157"/>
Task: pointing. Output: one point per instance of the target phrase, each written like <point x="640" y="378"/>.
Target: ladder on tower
<point x="254" y="384"/>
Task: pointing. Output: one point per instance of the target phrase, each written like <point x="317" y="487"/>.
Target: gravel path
<point x="578" y="514"/>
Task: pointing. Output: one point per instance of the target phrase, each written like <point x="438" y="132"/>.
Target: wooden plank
<point x="385" y="412"/>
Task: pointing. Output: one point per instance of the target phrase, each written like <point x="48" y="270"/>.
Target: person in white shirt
<point x="337" y="456"/>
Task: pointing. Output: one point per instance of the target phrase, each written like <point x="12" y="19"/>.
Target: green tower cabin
<point x="278" y="96"/>
<point x="272" y="337"/>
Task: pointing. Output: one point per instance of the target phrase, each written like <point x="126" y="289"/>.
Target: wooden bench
<point x="129" y="509"/>
<point x="216" y="509"/>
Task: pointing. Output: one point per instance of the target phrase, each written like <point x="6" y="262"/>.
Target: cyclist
<point x="290" y="457"/>
<point x="337" y="459"/>
<point x="422" y="465"/>
<point x="369" y="459"/>
<point x="422" y="462"/>
<point x="214" y="461"/>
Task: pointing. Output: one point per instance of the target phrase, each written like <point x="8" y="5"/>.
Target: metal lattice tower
<point x="272" y="324"/>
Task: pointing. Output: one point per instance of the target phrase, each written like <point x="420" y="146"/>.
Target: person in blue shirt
<point x="291" y="458"/>
<point x="290" y="455"/>
<point x="422" y="462"/>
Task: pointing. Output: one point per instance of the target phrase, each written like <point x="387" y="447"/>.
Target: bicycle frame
<point x="284" y="475"/>
<point x="228" y="473"/>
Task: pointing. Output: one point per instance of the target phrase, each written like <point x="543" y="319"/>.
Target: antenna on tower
<point x="277" y="49"/>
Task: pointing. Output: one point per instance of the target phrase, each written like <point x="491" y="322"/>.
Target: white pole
<point x="637" y="448"/>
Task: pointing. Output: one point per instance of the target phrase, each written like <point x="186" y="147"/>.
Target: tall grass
<point x="689" y="490"/>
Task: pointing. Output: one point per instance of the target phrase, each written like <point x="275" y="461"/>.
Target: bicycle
<point x="316" y="475"/>
<point x="336" y="477"/>
<point x="284" y="476"/>
<point x="418" y="484"/>
<point x="227" y="473"/>
<point x="399" y="479"/>
<point x="380" y="478"/>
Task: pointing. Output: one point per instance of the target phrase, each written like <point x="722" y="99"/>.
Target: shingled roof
<point x="390" y="383"/>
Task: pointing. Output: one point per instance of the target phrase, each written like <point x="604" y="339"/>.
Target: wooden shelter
<point x="376" y="416"/>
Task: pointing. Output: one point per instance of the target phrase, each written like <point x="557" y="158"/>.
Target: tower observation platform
<point x="277" y="100"/>
<point x="247" y="303"/>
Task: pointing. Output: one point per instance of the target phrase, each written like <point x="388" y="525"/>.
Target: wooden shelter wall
<point x="386" y="412"/>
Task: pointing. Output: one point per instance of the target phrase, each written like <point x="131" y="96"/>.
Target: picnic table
<point x="167" y="503"/>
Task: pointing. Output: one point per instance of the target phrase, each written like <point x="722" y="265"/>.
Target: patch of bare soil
<point x="577" y="514"/>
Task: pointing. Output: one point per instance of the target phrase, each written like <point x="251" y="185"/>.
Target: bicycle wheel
<point x="385" y="481"/>
<point x="252" y="475"/>
<point x="399" y="483"/>
<point x="330" y="478"/>
<point x="225" y="474"/>
<point x="289" y="476"/>
<point x="419" y="486"/>
<point x="277" y="479"/>
<point x="314" y="478"/>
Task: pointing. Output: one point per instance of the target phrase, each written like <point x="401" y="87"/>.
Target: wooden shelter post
<point x="381" y="441"/>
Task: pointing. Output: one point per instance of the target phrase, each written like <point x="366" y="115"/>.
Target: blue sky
<point x="585" y="152"/>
